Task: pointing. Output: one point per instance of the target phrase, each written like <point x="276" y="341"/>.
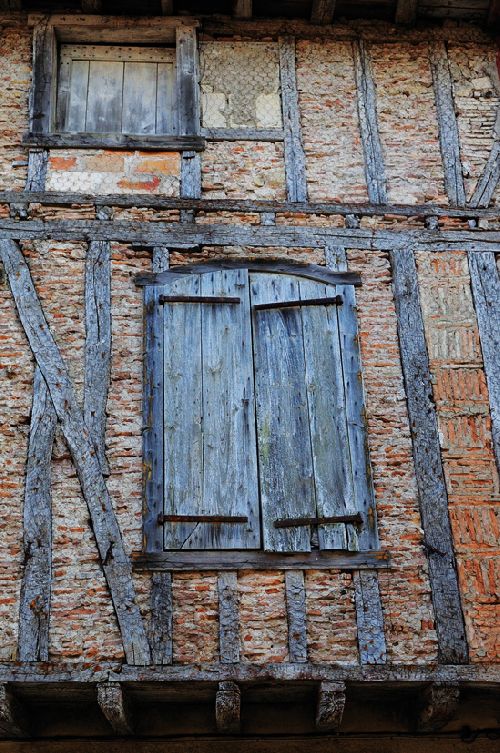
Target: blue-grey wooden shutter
<point x="210" y="462"/>
<point x="303" y="449"/>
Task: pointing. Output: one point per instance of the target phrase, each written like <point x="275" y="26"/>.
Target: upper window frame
<point x="51" y="31"/>
<point x="153" y="428"/>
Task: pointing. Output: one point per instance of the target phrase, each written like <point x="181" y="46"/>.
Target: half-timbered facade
<point x="249" y="376"/>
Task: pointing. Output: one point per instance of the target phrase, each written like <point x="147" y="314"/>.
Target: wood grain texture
<point x="449" y="138"/>
<point x="115" y="562"/>
<point x="161" y="259"/>
<point x="488" y="181"/>
<point x="295" y="161"/>
<point x="155" y="201"/>
<point x="322" y="11"/>
<point x="368" y="122"/>
<point x="295" y="595"/>
<point x="187" y="81"/>
<point x="97" y="344"/>
<point x="330" y="706"/>
<point x="113" y="704"/>
<point x="13" y="721"/>
<point x="437" y="705"/>
<point x="229" y="617"/>
<point x="34" y="606"/>
<point x="41" y="106"/>
<point x="357" y="430"/>
<point x="190" y="187"/>
<point x="433" y="497"/>
<point x="485" y="284"/>
<point x="369" y="618"/>
<point x="228" y="708"/>
<point x="252" y="560"/>
<point x="113" y="141"/>
<point x="406" y="12"/>
<point x="161" y="625"/>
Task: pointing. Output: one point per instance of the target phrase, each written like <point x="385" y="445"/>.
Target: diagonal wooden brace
<point x="115" y="562"/>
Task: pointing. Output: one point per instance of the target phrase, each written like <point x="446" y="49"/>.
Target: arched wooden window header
<point x="309" y="271"/>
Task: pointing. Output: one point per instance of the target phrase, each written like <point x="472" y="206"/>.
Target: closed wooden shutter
<point x="210" y="466"/>
<point x="304" y="461"/>
<point x="111" y="89"/>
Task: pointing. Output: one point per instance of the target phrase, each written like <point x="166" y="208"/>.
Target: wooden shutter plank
<point x="104" y="98"/>
<point x="166" y="116"/>
<point x="229" y="446"/>
<point x="183" y="439"/>
<point x="139" y="98"/>
<point x="285" y="461"/>
<point x="77" y="108"/>
<point x="327" y="418"/>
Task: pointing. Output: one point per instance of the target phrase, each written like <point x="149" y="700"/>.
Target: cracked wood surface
<point x="114" y="560"/>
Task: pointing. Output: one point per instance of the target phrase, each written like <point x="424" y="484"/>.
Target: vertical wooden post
<point x="229" y="617"/>
<point x="295" y="593"/>
<point x="295" y="162"/>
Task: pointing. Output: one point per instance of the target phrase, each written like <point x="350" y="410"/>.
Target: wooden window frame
<point x="154" y="557"/>
<point x="50" y="31"/>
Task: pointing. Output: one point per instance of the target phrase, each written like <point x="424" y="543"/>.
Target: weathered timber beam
<point x="295" y="161"/>
<point x="34" y="602"/>
<point x="229" y="617"/>
<point x="449" y="138"/>
<point x="393" y="675"/>
<point x="13" y="722"/>
<point x="161" y="625"/>
<point x="228" y="708"/>
<point x="432" y="492"/>
<point x="330" y="706"/>
<point x="115" y="562"/>
<point x="406" y="12"/>
<point x="34" y="606"/>
<point x="368" y="123"/>
<point x="41" y="101"/>
<point x="202" y="561"/>
<point x="485" y="282"/>
<point x="437" y="706"/>
<point x="494" y="13"/>
<point x="115" y="708"/>
<point x="114" y="141"/>
<point x="322" y="11"/>
<point x="295" y="595"/>
<point x="242" y="8"/>
<point x="187" y="235"/>
<point x="63" y="198"/>
<point x="369" y="618"/>
<point x="97" y="344"/>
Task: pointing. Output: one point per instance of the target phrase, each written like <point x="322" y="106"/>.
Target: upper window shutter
<point x="111" y="89"/>
<point x="210" y="465"/>
<point x="304" y="461"/>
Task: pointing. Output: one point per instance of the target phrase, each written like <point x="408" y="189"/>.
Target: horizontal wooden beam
<point x="44" y="674"/>
<point x="188" y="561"/>
<point x="191" y="234"/>
<point x="243" y="134"/>
<point x="113" y="141"/>
<point x="66" y="198"/>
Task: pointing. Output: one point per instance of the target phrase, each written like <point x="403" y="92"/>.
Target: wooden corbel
<point x="12" y="718"/>
<point x="330" y="706"/>
<point x="228" y="708"/>
<point x="438" y="703"/>
<point x="115" y="707"/>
